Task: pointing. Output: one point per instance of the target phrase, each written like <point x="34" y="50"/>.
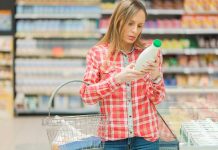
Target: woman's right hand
<point x="129" y="74"/>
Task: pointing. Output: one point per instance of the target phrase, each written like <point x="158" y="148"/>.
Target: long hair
<point x="123" y="12"/>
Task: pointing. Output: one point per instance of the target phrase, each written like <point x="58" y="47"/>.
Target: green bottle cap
<point x="157" y="43"/>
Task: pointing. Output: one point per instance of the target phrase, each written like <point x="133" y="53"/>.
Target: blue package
<point x="90" y="142"/>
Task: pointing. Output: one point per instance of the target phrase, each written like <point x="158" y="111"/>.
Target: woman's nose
<point x="134" y="29"/>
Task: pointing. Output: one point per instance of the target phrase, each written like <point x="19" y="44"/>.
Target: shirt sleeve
<point x="156" y="92"/>
<point x="96" y="90"/>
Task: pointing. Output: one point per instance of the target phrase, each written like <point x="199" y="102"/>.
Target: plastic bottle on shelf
<point x="149" y="54"/>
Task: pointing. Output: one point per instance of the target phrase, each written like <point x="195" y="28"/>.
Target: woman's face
<point x="133" y="28"/>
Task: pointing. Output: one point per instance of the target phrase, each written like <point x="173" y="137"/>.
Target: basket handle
<point x="56" y="91"/>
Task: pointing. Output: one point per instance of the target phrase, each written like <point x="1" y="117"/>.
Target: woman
<point x="127" y="97"/>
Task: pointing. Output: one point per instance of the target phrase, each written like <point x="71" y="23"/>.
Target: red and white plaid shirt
<point x="112" y="96"/>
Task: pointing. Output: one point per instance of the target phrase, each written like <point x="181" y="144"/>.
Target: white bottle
<point x="149" y="54"/>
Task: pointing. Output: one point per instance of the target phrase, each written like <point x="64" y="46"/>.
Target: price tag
<point x="57" y="52"/>
<point x="210" y="70"/>
<point x="187" y="70"/>
<point x="216" y="51"/>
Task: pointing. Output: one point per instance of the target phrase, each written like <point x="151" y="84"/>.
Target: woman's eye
<point x="130" y="23"/>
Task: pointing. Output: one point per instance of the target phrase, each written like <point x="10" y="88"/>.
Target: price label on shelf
<point x="187" y="70"/>
<point x="210" y="70"/>
<point x="58" y="52"/>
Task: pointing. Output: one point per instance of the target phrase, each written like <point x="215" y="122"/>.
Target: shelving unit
<point x="6" y="59"/>
<point x="52" y="40"/>
<point x="36" y="40"/>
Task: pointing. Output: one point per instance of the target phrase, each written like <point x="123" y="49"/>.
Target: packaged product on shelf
<point x="193" y="61"/>
<point x="214" y="80"/>
<point x="43" y="102"/>
<point x="31" y="102"/>
<point x="5" y="20"/>
<point x="168" y="4"/>
<point x="183" y="60"/>
<point x="185" y="43"/>
<point x="204" y="81"/>
<point x="181" y="80"/>
<point x="193" y="80"/>
<point x="169" y="80"/>
<point x="157" y="4"/>
<point x="6" y="104"/>
<point x="74" y="102"/>
<point x="61" y="102"/>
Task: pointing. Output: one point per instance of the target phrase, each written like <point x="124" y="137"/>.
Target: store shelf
<point x="5" y="77"/>
<point x="190" y="51"/>
<point x="174" y="31"/>
<point x="153" y="12"/>
<point x="59" y="16"/>
<point x="6" y="33"/>
<point x="58" y="2"/>
<point x="46" y="91"/>
<point x="202" y="12"/>
<point x="5" y="51"/>
<point x="167" y="12"/>
<point x="58" y="111"/>
<point x="46" y="53"/>
<point x="6" y="63"/>
<point x="189" y="70"/>
<point x="58" y="35"/>
<point x="177" y="90"/>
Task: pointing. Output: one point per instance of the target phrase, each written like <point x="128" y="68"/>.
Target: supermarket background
<point x="43" y="43"/>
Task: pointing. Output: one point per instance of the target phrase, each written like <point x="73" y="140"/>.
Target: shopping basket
<point x="74" y="132"/>
<point x="82" y="132"/>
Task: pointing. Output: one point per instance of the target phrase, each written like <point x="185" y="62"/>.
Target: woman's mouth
<point x="132" y="38"/>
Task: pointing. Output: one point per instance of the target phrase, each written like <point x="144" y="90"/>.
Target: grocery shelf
<point x="58" y="2"/>
<point x="188" y="70"/>
<point x="188" y="90"/>
<point x="153" y="12"/>
<point x="166" y="12"/>
<point x="77" y="52"/>
<point x="63" y="35"/>
<point x="173" y="31"/>
<point x="6" y="33"/>
<point x="57" y="16"/>
<point x="46" y="91"/>
<point x="5" y="77"/>
<point x="190" y="51"/>
<point x="5" y="63"/>
<point x="4" y="51"/>
<point x="202" y="12"/>
<point x="58" y="111"/>
<point x="180" y="31"/>
<point x="46" y="53"/>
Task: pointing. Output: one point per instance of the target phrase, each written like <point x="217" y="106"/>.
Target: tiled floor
<point x="23" y="133"/>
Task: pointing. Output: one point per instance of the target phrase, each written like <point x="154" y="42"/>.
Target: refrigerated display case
<point x="193" y="117"/>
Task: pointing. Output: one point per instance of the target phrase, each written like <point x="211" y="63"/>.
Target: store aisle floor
<point x="23" y="133"/>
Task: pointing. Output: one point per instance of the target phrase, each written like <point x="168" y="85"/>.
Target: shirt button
<point x="130" y="116"/>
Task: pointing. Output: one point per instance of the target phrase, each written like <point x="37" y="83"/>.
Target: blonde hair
<point x="123" y="12"/>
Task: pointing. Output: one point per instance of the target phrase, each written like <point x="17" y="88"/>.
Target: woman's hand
<point x="153" y="68"/>
<point x="129" y="74"/>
